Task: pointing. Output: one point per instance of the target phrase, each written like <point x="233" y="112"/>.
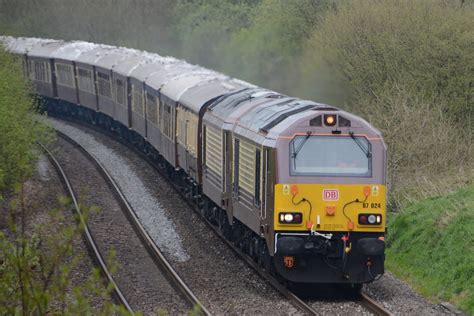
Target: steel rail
<point x="89" y="239"/>
<point x="373" y="305"/>
<point x="150" y="245"/>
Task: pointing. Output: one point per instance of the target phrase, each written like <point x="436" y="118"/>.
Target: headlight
<point x="371" y="219"/>
<point x="290" y="218"/>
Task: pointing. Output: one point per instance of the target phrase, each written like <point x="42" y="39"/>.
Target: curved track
<point x="299" y="303"/>
<point x="91" y="244"/>
<point x="147" y="241"/>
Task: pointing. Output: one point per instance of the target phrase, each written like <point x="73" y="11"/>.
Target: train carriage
<point x="90" y="87"/>
<point x="138" y="77"/>
<point x="41" y="68"/>
<point x="21" y="46"/>
<point x="187" y="119"/>
<point x="298" y="185"/>
<point x="196" y="100"/>
<point x="133" y="93"/>
<point x="218" y="123"/>
<point x="161" y="117"/>
<point x="112" y="91"/>
<point x="65" y="70"/>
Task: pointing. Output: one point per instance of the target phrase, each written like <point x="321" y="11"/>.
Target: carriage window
<point x="64" y="75"/>
<point x="119" y="92"/>
<point x="41" y="71"/>
<point x="84" y="80"/>
<point x="330" y="156"/>
<point x="151" y="109"/>
<point x="167" y="121"/>
<point x="103" y="85"/>
<point x="137" y="100"/>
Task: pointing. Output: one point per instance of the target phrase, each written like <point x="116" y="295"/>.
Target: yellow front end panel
<point x="327" y="204"/>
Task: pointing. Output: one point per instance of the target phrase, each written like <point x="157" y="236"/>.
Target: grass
<point x="431" y="245"/>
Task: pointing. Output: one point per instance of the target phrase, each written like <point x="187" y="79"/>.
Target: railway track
<point x="89" y="239"/>
<point x="131" y="215"/>
<point x="364" y="300"/>
<point x="373" y="305"/>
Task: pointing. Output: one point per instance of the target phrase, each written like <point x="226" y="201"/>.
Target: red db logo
<point x="331" y="195"/>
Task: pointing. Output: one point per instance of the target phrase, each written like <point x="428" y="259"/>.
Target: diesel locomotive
<point x="300" y="186"/>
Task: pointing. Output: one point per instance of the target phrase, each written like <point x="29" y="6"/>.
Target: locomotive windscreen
<point x="330" y="156"/>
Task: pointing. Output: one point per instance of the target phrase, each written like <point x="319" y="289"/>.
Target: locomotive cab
<point x="329" y="199"/>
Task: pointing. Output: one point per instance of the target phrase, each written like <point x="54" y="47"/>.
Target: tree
<point x="20" y="128"/>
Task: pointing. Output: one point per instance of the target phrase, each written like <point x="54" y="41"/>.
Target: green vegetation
<point x="36" y="265"/>
<point x="432" y="246"/>
<point x="19" y="127"/>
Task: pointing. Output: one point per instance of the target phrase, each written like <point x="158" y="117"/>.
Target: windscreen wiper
<point x="308" y="134"/>
<point x="361" y="146"/>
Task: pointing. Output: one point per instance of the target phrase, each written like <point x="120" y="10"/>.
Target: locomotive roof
<point x="227" y="104"/>
<point x="262" y="118"/>
<point x="194" y="98"/>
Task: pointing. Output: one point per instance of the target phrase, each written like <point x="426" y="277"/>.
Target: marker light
<point x="329" y="120"/>
<point x="290" y="218"/>
<point x="298" y="218"/>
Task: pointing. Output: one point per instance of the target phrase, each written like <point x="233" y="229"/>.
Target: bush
<point x="266" y="51"/>
<point x="20" y="129"/>
<point x="204" y="28"/>
<point x="428" y="155"/>
<point x="426" y="45"/>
